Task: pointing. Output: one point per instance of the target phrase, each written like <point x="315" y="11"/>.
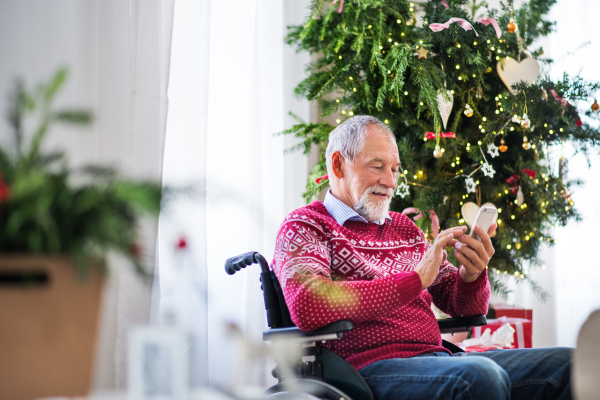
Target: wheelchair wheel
<point x="311" y="389"/>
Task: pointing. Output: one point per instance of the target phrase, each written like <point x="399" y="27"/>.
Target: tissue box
<point x="521" y="326"/>
<point x="502" y="310"/>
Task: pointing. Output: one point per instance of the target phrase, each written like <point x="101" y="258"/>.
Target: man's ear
<point x="338" y="164"/>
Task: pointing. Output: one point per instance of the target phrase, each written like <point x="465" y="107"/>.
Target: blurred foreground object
<point x="54" y="239"/>
<point x="586" y="360"/>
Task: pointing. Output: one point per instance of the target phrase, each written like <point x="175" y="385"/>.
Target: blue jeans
<point x="531" y="374"/>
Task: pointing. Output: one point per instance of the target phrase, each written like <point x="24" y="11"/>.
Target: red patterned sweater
<point x="365" y="273"/>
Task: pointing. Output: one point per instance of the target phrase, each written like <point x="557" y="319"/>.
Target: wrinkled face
<point x="373" y="175"/>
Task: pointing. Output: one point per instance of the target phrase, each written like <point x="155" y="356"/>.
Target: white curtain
<point x="231" y="88"/>
<point x="117" y="53"/>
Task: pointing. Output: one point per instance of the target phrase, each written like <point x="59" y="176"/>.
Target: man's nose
<point x="388" y="179"/>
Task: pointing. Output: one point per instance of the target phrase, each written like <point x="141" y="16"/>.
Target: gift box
<point x="503" y="310"/>
<point x="522" y="327"/>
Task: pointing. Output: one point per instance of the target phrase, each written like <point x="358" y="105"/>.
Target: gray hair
<point x="349" y="138"/>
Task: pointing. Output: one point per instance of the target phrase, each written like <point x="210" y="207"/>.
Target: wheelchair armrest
<point x="452" y="325"/>
<point x="332" y="331"/>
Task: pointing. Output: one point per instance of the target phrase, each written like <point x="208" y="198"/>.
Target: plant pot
<point x="49" y="321"/>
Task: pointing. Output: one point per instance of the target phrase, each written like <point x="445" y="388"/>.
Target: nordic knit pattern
<point x="365" y="273"/>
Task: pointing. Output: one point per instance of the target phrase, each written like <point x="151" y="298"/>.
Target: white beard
<point x="371" y="209"/>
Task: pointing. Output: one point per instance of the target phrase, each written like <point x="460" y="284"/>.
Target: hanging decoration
<point x="422" y="52"/>
<point x="489" y="20"/>
<point x="526" y="144"/>
<point x="511" y="71"/>
<point x="544" y="95"/>
<point x="502" y="146"/>
<point x="438" y="153"/>
<point x="492" y="150"/>
<point x="431" y="135"/>
<point x="513" y="181"/>
<point x="488" y="170"/>
<point x="445" y="106"/>
<point x="512" y="27"/>
<point x="595" y="106"/>
<point x="470" y="185"/>
<point x="520" y="197"/>
<point x="402" y="190"/>
<point x="466" y="25"/>
<point x="468" y="111"/>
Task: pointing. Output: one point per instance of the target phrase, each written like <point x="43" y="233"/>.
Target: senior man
<point x="348" y="257"/>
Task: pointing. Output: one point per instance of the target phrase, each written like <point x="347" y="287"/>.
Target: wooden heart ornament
<point x="445" y="106"/>
<point x="511" y="71"/>
<point x="470" y="210"/>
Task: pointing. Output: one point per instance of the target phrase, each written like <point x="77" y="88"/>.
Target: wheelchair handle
<point x="234" y="264"/>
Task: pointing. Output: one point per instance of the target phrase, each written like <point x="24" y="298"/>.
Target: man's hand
<point x="473" y="254"/>
<point x="429" y="267"/>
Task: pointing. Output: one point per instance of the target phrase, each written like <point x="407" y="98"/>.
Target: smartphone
<point x="485" y="217"/>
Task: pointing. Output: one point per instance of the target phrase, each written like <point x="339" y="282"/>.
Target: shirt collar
<point x="342" y="213"/>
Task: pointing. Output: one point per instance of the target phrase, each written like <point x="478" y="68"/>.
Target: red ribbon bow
<point x="513" y="180"/>
<point x="321" y="178"/>
<point x="559" y="99"/>
<point x="431" y="135"/>
<point x="466" y="25"/>
<point x="529" y="172"/>
<point x="435" y="221"/>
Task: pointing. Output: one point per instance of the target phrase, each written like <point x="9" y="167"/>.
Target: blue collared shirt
<point x="342" y="213"/>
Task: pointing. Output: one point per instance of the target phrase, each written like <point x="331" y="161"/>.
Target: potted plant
<point x="57" y="226"/>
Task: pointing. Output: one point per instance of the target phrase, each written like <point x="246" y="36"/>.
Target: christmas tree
<point x="475" y="119"/>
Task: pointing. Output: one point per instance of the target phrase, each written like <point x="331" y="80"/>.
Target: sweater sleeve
<point x="303" y="266"/>
<point x="458" y="298"/>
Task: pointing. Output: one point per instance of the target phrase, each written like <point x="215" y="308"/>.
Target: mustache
<point x="380" y="189"/>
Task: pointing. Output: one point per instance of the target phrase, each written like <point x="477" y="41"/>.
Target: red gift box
<point x="522" y="327"/>
<point x="502" y="310"/>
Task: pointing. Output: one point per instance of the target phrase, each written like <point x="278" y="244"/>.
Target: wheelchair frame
<point x="318" y="371"/>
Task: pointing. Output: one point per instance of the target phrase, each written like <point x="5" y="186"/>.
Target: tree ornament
<point x="544" y="95"/>
<point x="488" y="170"/>
<point x="492" y="150"/>
<point x="502" y="146"/>
<point x="520" y="197"/>
<point x="402" y="190"/>
<point x="445" y="106"/>
<point x="526" y="144"/>
<point x="437" y="153"/>
<point x="525" y="122"/>
<point x="468" y="111"/>
<point x="470" y="185"/>
<point x="511" y="71"/>
<point x="512" y="27"/>
<point x="595" y="106"/>
<point x="422" y="53"/>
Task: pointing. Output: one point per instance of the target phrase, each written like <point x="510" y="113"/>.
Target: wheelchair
<point x="317" y="370"/>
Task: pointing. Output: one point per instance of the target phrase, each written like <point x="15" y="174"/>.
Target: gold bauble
<point x="512" y="27"/>
<point x="526" y="144"/>
<point x="468" y="112"/>
<point x="595" y="106"/>
<point x="502" y="146"/>
<point x="437" y="153"/>
<point x="525" y="122"/>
